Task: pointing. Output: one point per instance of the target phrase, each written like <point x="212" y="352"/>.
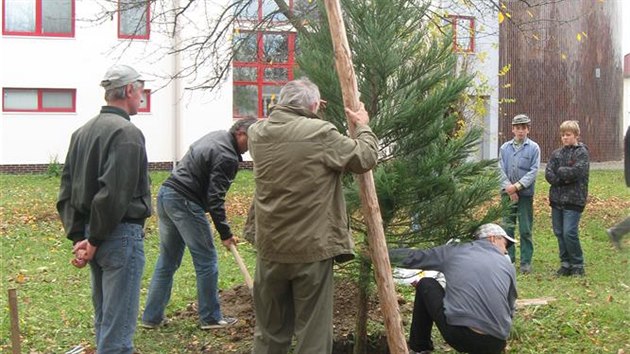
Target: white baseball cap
<point x="487" y="230"/>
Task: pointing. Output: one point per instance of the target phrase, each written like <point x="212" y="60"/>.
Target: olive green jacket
<point x="299" y="204"/>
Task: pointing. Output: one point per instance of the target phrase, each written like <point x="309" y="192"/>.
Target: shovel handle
<point x="248" y="279"/>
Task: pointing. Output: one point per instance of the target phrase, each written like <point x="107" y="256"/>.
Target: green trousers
<point x="293" y="298"/>
<point x="523" y="212"/>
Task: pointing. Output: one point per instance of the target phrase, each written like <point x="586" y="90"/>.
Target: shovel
<point x="248" y="279"/>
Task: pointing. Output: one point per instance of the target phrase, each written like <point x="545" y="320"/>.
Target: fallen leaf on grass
<point x="20" y="278"/>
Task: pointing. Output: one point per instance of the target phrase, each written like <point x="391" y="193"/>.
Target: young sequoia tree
<point x="429" y="188"/>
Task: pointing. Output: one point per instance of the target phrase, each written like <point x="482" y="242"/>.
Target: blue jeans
<point x="565" y="225"/>
<point x="183" y="223"/>
<point x="116" y="273"/>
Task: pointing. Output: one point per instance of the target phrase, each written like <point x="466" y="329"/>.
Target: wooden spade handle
<point x="241" y="265"/>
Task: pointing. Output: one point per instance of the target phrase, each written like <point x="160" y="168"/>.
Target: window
<point x="54" y="18"/>
<point x="133" y="19"/>
<point x="463" y="33"/>
<point x="263" y="63"/>
<point x="263" y="59"/>
<point x="145" y="105"/>
<point x="38" y="100"/>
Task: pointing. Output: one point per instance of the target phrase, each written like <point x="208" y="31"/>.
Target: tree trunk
<point x="369" y="201"/>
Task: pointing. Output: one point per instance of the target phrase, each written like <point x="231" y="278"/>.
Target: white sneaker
<point x="223" y="323"/>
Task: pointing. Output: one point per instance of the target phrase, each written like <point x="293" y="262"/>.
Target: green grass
<point x="590" y="315"/>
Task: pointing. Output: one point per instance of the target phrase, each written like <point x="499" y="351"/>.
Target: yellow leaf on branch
<point x="501" y="17"/>
<point x="579" y="37"/>
<point x="504" y="70"/>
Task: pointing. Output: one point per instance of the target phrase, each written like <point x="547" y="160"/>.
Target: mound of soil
<point x="237" y="302"/>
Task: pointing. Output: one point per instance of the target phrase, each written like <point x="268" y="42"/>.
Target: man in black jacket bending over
<point x="198" y="185"/>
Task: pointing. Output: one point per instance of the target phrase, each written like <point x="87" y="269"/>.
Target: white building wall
<point x="80" y="63"/>
<point x="484" y="64"/>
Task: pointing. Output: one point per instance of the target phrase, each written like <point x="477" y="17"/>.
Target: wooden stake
<point x="15" y="322"/>
<point x="369" y="201"/>
<point x="241" y="265"/>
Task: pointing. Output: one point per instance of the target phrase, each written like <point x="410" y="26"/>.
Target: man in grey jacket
<point x="103" y="202"/>
<point x="198" y="185"/>
<point x="301" y="218"/>
<point x="474" y="313"/>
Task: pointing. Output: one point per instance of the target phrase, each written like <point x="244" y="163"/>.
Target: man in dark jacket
<point x="622" y="228"/>
<point x="198" y="185"/>
<point x="474" y="313"/>
<point x="104" y="200"/>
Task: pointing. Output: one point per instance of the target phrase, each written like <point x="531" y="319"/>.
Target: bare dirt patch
<point x="237" y="302"/>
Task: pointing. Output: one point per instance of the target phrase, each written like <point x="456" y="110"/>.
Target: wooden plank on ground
<point x="520" y="303"/>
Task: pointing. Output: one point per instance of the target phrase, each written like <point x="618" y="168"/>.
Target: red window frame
<point x="40" y="105"/>
<point x="136" y="36"/>
<point x="147" y="100"/>
<point x="261" y="65"/>
<point x="453" y="20"/>
<point x="38" y="23"/>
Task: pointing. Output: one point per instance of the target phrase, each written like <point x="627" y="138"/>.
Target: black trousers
<point x="428" y="308"/>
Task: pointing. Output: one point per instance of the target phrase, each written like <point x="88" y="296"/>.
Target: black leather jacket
<point x="105" y="178"/>
<point x="205" y="174"/>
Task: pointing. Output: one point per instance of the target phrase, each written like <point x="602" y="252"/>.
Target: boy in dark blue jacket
<point x="567" y="173"/>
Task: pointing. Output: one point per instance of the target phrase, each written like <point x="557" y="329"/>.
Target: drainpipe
<point x="177" y="93"/>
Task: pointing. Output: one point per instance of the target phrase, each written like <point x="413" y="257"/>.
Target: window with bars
<point x="38" y="100"/>
<point x="49" y="18"/>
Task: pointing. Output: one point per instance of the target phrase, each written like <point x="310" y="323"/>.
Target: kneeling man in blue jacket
<point x="474" y="312"/>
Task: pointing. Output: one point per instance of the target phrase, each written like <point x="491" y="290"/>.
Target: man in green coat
<point x="301" y="220"/>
